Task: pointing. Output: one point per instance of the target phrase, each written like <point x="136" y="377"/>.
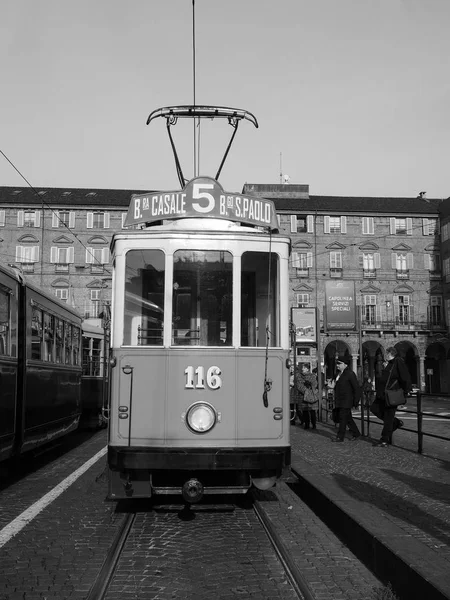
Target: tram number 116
<point x="195" y="378"/>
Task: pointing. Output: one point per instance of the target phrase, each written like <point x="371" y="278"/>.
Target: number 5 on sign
<point x="195" y="378"/>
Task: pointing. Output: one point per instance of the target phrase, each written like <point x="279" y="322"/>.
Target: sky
<point x="351" y="96"/>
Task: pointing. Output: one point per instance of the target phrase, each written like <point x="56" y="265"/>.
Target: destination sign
<point x="202" y="197"/>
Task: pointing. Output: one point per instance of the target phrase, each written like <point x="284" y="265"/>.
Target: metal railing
<point x="326" y="409"/>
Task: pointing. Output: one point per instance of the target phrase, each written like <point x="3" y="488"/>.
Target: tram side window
<point x="75" y="345"/>
<point x="92" y="365"/>
<point x="259" y="299"/>
<point x="36" y="334"/>
<point x="49" y="337"/>
<point x="144" y="298"/>
<point x="5" y="345"/>
<point x="202" y="298"/>
<point x="68" y="343"/>
<point x="59" y="341"/>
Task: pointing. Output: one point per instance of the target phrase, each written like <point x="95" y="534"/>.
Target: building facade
<point x="391" y="248"/>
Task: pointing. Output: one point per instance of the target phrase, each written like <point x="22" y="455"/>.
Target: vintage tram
<point x="94" y="379"/>
<point x="199" y="346"/>
<point x="40" y="366"/>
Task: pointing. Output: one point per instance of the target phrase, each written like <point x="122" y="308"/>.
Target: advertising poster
<point x="340" y="305"/>
<point x="304" y="323"/>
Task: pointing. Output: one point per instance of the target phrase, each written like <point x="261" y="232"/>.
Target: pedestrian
<point x="347" y="395"/>
<point x="396" y="372"/>
<point x="307" y="386"/>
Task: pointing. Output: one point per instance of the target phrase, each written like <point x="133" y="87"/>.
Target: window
<point x="97" y="220"/>
<point x="400" y="226"/>
<point x="334" y="224"/>
<point x="62" y="257"/>
<point x="302" y="300"/>
<point x="402" y="262"/>
<point x="5" y="325"/>
<point x="370" y="309"/>
<point x="144" y="298"/>
<point x="302" y="262"/>
<point x="259" y="299"/>
<point x="49" y="337"/>
<point x="67" y="343"/>
<point x="36" y="334"/>
<point x="435" y="310"/>
<point x="97" y="256"/>
<point x="430" y="226"/>
<point x="432" y="262"/>
<point x="368" y="226"/>
<point x="62" y="293"/>
<point x="59" y="329"/>
<point x="63" y="218"/>
<point x="2" y="218"/>
<point x="402" y="309"/>
<point x="302" y="224"/>
<point x="370" y="261"/>
<point x="445" y="232"/>
<point x="27" y="254"/>
<point x="92" y="357"/>
<point x="203" y="298"/>
<point x="335" y="264"/>
<point x="28" y="218"/>
<point x="93" y="309"/>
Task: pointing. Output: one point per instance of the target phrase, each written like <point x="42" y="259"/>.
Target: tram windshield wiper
<point x="188" y="111"/>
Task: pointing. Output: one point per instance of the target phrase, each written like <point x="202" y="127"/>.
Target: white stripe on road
<point x="30" y="513"/>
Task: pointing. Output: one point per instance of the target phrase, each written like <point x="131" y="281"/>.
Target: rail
<point x="419" y="412"/>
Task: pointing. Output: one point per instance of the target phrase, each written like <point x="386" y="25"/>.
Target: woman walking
<point x="396" y="373"/>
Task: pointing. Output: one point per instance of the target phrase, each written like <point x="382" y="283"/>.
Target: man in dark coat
<point x="396" y="372"/>
<point x="347" y="394"/>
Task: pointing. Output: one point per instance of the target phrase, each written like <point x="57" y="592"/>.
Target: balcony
<point x="403" y="325"/>
<point x="402" y="274"/>
<point x="61" y="267"/>
<point x="302" y="272"/>
<point x="336" y="273"/>
<point x="369" y="273"/>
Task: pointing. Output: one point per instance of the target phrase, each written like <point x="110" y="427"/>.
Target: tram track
<point x="101" y="587"/>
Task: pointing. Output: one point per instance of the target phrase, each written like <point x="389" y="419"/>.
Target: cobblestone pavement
<point x="384" y="488"/>
<point x="218" y="554"/>
<point x="60" y="552"/>
<point x="328" y="567"/>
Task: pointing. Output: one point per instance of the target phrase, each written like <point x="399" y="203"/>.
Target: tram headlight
<point x="201" y="417"/>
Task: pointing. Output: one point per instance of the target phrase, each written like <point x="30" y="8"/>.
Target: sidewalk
<point x="390" y="506"/>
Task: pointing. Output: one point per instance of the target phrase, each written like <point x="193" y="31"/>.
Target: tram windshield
<point x="202" y="307"/>
<point x="259" y="299"/>
<point x="202" y="298"/>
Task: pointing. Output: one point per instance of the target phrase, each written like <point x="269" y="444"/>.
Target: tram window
<point x="202" y="298"/>
<point x="5" y="347"/>
<point x="144" y="298"/>
<point x="259" y="299"/>
<point x="75" y="345"/>
<point x="67" y="343"/>
<point x="49" y="337"/>
<point x="59" y="341"/>
<point x="36" y="334"/>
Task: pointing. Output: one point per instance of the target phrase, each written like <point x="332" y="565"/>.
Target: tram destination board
<point x="202" y="197"/>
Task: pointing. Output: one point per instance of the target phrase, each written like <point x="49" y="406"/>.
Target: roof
<point x="67" y="196"/>
<point x="287" y="198"/>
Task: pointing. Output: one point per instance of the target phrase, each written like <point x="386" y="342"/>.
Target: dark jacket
<point x="398" y="375"/>
<point x="347" y="391"/>
<point x="308" y="391"/>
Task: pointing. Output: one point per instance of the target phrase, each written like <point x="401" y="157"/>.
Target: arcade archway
<point x="435" y="368"/>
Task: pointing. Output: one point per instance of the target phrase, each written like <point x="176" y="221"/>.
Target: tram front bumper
<point x="194" y="459"/>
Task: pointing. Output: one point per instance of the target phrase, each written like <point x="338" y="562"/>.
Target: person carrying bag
<point x="391" y="390"/>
